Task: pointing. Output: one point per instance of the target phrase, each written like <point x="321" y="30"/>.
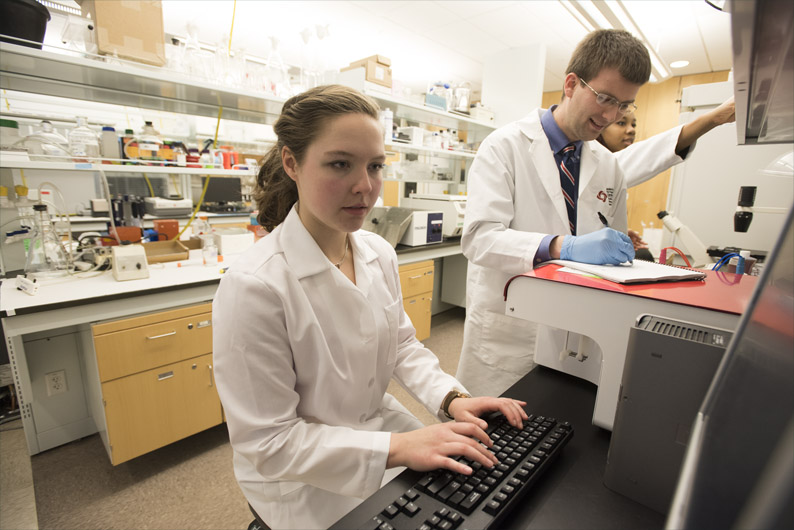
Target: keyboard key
<point x="390" y="511"/>
<point x="438" y="484"/>
<point x="411" y="495"/>
<point x="457" y="497"/>
<point x="411" y="509"/>
<point x="450" y="488"/>
<point x="402" y="501"/>
<point x="470" y="502"/>
<point x="492" y="507"/>
<point x="445" y="525"/>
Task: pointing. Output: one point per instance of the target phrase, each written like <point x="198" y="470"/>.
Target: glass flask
<point x="47" y="257"/>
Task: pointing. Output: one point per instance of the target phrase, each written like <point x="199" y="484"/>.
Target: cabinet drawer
<point x="133" y="350"/>
<point x="152" y="409"/>
<point x="418" y="309"/>
<point x="416" y="278"/>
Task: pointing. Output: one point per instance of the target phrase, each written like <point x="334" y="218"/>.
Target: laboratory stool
<point x="257" y="523"/>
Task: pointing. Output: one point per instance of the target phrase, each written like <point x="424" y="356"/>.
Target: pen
<point x="606" y="225"/>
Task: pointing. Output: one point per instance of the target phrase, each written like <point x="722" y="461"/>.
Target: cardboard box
<point x="380" y="59"/>
<point x="232" y="240"/>
<point x="376" y="69"/>
<point x="163" y="251"/>
<point x="132" y="29"/>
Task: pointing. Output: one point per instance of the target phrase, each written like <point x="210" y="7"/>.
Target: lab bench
<point x="75" y="325"/>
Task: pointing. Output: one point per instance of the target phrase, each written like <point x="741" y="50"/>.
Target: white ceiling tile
<point x="475" y="44"/>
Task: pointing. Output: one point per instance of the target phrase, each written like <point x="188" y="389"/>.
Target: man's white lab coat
<point x="302" y="361"/>
<point x="514" y="200"/>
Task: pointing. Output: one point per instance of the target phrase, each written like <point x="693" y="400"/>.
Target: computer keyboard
<point x="446" y="500"/>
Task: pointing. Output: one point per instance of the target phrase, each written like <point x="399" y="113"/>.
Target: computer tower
<point x="669" y="367"/>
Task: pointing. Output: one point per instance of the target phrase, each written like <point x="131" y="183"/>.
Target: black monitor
<point x="739" y="467"/>
<point x="222" y="190"/>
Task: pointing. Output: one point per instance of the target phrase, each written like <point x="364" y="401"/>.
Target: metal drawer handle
<point x="166" y="375"/>
<point x="209" y="367"/>
<point x="415" y="277"/>
<point x="161" y="336"/>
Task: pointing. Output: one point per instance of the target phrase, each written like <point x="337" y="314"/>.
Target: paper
<point x="638" y="272"/>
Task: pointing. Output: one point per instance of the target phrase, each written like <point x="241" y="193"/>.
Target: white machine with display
<point x="453" y="206"/>
<point x="424" y="229"/>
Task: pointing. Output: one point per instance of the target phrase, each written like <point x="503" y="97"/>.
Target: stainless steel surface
<point x="389" y="222"/>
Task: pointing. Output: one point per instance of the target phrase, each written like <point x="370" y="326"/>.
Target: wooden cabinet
<point x="156" y="379"/>
<point x="416" y="280"/>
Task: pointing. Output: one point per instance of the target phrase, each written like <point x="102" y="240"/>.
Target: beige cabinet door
<point x="418" y="310"/>
<point x="151" y="409"/>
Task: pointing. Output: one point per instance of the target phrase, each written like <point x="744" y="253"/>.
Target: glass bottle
<point x="83" y="142"/>
<point x="47" y="144"/>
<point x="209" y="251"/>
<point x="46" y="256"/>
<point x="149" y="143"/>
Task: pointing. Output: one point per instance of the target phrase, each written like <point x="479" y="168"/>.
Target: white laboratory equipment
<point x="453" y="207"/>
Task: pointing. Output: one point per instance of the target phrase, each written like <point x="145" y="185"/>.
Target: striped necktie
<point x="568" y="182"/>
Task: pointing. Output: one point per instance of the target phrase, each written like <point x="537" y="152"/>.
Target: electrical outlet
<point x="56" y="382"/>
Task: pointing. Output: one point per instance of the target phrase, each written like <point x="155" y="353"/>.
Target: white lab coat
<point x="643" y="160"/>
<point x="302" y="361"/>
<point x="514" y="200"/>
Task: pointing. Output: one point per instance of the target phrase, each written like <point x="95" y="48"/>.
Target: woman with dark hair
<point x="309" y="329"/>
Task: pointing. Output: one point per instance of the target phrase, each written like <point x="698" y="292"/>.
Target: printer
<point x="452" y="206"/>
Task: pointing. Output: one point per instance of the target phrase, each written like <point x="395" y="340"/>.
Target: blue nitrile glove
<point x="604" y="247"/>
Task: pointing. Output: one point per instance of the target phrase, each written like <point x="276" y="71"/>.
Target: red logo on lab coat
<point x="602" y="196"/>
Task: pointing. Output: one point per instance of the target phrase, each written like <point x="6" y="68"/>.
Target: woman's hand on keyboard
<point x="435" y="447"/>
<point x="470" y="410"/>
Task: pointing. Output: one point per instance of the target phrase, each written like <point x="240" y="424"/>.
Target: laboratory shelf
<point x="118" y="168"/>
<point x="26" y="69"/>
<point x="431" y="116"/>
<point x="444" y="153"/>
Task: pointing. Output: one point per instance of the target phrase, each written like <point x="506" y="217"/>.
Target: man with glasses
<point x="542" y="188"/>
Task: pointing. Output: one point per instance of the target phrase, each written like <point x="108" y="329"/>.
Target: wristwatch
<point x="455" y="393"/>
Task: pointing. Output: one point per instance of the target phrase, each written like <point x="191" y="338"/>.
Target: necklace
<point x="337" y="265"/>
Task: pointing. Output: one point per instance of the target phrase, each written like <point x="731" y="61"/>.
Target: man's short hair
<point x="611" y="48"/>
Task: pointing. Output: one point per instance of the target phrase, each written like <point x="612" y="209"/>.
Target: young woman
<point x="309" y="328"/>
<point x="648" y="158"/>
<point x="620" y="134"/>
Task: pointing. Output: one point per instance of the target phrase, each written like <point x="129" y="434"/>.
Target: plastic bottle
<point x="110" y="145"/>
<point x="24" y="206"/>
<point x="46" y="255"/>
<point x="180" y="153"/>
<point x="9" y="133"/>
<point x="127" y="138"/>
<point x="83" y="142"/>
<point x="388" y="125"/>
<point x="193" y="157"/>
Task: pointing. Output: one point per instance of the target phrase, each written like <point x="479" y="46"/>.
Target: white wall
<point x="512" y="82"/>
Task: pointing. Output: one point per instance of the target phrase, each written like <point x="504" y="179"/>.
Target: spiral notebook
<point x="637" y="272"/>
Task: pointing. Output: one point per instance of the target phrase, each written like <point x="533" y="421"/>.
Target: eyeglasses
<point x="609" y="102"/>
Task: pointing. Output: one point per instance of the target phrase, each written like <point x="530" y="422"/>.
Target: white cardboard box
<point x="232" y="242"/>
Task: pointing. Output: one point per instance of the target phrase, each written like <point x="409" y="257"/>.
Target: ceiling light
<point x="679" y="64"/>
<point x="612" y="14"/>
